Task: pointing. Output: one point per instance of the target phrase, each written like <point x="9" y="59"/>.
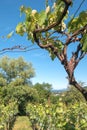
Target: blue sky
<point x="46" y="70"/>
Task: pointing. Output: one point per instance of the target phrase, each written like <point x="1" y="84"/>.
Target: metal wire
<point x="78" y="9"/>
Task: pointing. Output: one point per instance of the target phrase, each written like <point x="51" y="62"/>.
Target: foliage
<point x="42" y="21"/>
<point x="15" y="71"/>
<point x="34" y="19"/>
<point x="8" y="115"/>
<point x="44" y="91"/>
<point x="58" y="116"/>
<point x="78" y="22"/>
<point x="64" y="114"/>
<point x="72" y="93"/>
<point x="21" y="94"/>
<point x="15" y="75"/>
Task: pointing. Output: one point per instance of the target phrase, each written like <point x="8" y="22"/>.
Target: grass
<point x="22" y="123"/>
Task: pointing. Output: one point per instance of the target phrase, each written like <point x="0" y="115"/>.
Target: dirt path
<point x="22" y="123"/>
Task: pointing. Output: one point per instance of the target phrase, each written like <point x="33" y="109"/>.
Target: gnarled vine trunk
<point x="72" y="81"/>
<point x="79" y="87"/>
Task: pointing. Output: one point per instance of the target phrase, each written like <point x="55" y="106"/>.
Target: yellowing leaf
<point x="10" y="34"/>
<point x="20" y="29"/>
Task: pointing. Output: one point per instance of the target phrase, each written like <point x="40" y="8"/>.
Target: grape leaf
<point x="84" y="42"/>
<point x="10" y="34"/>
<point x="42" y="18"/>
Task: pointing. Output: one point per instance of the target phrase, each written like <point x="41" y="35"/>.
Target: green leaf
<point x="83" y="17"/>
<point x="78" y="22"/>
<point x="53" y="56"/>
<point x="20" y="29"/>
<point x="42" y="18"/>
<point x="30" y="37"/>
<point x="84" y="42"/>
<point x="72" y="25"/>
<point x="59" y="45"/>
<point x="28" y="11"/>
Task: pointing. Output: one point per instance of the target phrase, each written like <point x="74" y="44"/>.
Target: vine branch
<point x="67" y="4"/>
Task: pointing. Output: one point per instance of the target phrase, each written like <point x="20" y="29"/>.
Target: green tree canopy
<point x="15" y="82"/>
<point x="21" y="94"/>
<point x="15" y="71"/>
<point x="44" y="91"/>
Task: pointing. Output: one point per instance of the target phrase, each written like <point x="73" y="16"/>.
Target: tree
<point x="72" y="92"/>
<point x="15" y="72"/>
<point x="48" y="29"/>
<point x="20" y="94"/>
<point x="15" y="84"/>
<point x="44" y="91"/>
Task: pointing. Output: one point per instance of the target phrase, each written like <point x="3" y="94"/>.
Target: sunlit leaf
<point x="84" y="42"/>
<point x="20" y="29"/>
<point x="42" y="18"/>
<point x="10" y="34"/>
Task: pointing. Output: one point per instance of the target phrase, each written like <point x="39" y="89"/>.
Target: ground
<point x="22" y="123"/>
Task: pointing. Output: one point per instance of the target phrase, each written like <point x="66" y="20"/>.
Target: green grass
<point x="22" y="123"/>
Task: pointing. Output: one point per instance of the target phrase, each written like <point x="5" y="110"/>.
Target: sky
<point x="46" y="70"/>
